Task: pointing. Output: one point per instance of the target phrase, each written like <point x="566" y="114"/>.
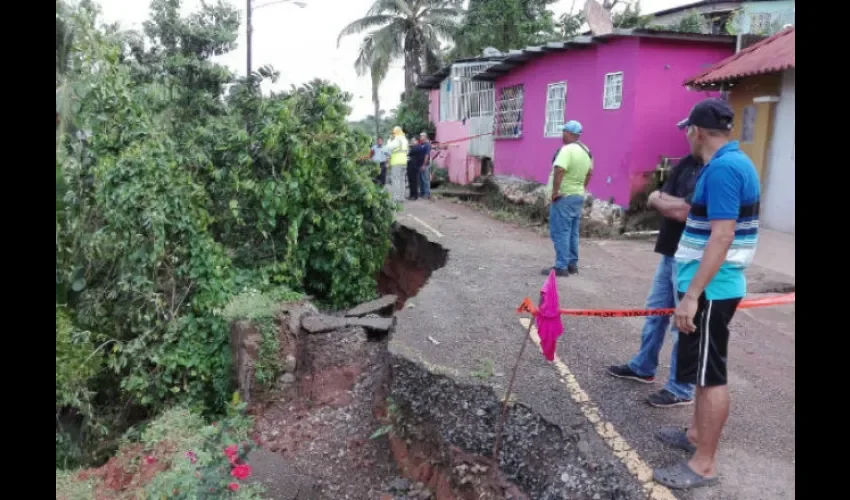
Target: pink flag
<point x="549" y="326"/>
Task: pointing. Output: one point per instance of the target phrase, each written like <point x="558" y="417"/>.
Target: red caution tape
<point x="776" y="300"/>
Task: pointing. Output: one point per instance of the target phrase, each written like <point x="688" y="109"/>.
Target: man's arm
<point x="588" y="176"/>
<point x="722" y="235"/>
<point x="560" y="165"/>
<point x="723" y="200"/>
<point x="670" y="206"/>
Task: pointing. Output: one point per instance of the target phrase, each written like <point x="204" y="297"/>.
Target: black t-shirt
<point x="683" y="179"/>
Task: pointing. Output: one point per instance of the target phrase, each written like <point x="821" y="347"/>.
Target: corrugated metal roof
<point x="771" y="55"/>
<point x="433" y="80"/>
<point x="517" y="58"/>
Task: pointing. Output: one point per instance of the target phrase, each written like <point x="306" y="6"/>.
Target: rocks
<point x="382" y="325"/>
<point x="381" y="306"/>
<point x="289" y="364"/>
<point x="287" y="378"/>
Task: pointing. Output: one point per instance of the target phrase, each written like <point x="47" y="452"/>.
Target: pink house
<point x="462" y="111"/>
<point x="625" y="88"/>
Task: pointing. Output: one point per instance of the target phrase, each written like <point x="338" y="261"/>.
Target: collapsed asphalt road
<point x="463" y="324"/>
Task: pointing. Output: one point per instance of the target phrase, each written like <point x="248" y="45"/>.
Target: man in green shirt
<point x="571" y="171"/>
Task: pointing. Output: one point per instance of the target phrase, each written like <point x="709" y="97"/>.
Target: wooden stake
<point x="501" y="424"/>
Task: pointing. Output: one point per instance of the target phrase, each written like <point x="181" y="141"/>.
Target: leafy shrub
<point x="173" y="194"/>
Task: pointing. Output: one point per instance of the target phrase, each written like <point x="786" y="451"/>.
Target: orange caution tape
<point x="777" y="300"/>
<point x="443" y="143"/>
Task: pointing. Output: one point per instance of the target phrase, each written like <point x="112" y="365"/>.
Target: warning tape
<point x="442" y="143"/>
<point x="776" y="300"/>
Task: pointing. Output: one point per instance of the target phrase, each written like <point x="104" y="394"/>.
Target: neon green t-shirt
<point x="576" y="163"/>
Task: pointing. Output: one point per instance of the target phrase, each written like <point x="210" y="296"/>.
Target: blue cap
<point x="715" y="114"/>
<point x="572" y="127"/>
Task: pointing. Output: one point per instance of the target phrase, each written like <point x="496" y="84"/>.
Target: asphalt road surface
<point x="468" y="307"/>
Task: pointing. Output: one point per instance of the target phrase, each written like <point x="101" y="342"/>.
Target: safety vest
<point x="398" y="147"/>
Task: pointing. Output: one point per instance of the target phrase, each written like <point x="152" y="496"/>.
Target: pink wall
<point x="462" y="169"/>
<point x="662" y="101"/>
<point x="625" y="142"/>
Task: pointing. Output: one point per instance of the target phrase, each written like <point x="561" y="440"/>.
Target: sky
<point x="301" y="43"/>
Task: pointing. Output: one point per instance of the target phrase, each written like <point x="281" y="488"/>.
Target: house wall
<point x="626" y="142"/>
<point x="661" y="101"/>
<point x="462" y="169"/>
<point x="778" y="200"/>
<point x="781" y="12"/>
<point x="741" y="96"/>
<point x="530" y="156"/>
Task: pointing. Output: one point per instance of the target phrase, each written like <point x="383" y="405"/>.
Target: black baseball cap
<point x="714" y="114"/>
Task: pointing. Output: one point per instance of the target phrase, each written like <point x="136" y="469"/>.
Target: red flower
<point x="241" y="471"/>
<point x="232" y="453"/>
<point x="191" y="456"/>
<point x="150" y="459"/>
<point x="233" y="486"/>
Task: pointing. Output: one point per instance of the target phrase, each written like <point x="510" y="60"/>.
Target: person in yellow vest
<point x="571" y="171"/>
<point x="397" y="148"/>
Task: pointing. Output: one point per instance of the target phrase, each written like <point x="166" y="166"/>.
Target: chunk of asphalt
<point x="323" y="324"/>
<point x="381" y="305"/>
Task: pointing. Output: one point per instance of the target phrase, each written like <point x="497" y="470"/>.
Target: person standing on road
<point x="414" y="165"/>
<point x="397" y="148"/>
<point x="425" y="171"/>
<point x="571" y="172"/>
<point x="717" y="246"/>
<point x="642" y="367"/>
<point x="379" y="156"/>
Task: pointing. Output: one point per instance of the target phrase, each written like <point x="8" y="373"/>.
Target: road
<point x="469" y="308"/>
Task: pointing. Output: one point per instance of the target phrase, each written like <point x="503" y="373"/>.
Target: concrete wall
<point x="625" y="142"/>
<point x="781" y="12"/>
<point x="778" y="200"/>
<point x="740" y="97"/>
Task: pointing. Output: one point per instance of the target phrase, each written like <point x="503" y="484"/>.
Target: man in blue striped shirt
<point x="718" y="244"/>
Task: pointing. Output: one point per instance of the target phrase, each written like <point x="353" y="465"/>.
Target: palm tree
<point x="374" y="59"/>
<point x="412" y="28"/>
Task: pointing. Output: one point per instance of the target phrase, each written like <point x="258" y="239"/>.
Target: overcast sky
<point x="301" y="42"/>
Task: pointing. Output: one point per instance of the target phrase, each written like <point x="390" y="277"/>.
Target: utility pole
<point x="250" y="29"/>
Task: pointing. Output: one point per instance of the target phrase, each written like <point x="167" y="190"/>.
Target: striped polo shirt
<point x="728" y="188"/>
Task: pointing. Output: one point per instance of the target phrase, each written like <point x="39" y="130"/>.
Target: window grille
<point x="556" y="97"/>
<point x="508" y="116"/>
<point x="613" y="96"/>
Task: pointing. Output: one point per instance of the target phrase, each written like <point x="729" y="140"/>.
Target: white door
<point x="778" y="203"/>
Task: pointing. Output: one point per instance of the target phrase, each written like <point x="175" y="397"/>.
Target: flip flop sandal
<point x="682" y="477"/>
<point x="677" y="438"/>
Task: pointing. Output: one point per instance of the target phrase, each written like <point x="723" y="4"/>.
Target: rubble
<point x="324" y="324"/>
<point x="382" y="306"/>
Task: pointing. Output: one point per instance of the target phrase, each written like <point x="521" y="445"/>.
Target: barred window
<point x="508" y="122"/>
<point x="613" y="96"/>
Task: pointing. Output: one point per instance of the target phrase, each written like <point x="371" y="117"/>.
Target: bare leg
<point x="712" y="410"/>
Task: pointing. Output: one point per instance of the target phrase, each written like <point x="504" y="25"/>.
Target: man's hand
<point x="653" y="197"/>
<point x="684" y="314"/>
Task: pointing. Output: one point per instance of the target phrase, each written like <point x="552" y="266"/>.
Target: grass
<point x="484" y="370"/>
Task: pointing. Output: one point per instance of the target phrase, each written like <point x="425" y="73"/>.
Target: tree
<point x="504" y="25"/>
<point x="630" y="17"/>
<point x="409" y="28"/>
<point x="374" y="60"/>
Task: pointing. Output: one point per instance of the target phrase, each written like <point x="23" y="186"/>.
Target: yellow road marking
<point x="621" y="448"/>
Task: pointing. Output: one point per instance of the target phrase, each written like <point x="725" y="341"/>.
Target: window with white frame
<point x="556" y="99"/>
<point x="613" y="95"/>
<point x="508" y="117"/>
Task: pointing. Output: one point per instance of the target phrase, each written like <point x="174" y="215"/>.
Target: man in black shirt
<point x="663" y="294"/>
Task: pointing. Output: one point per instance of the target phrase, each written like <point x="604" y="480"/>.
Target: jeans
<point x="661" y="295"/>
<point x="564" y="219"/>
<point x="425" y="182"/>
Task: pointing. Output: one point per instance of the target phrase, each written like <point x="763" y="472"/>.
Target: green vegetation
<point x="178" y="186"/>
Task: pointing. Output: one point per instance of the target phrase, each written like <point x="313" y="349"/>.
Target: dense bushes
<point x="172" y="196"/>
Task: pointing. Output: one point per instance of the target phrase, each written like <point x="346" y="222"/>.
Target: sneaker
<point x="558" y="272"/>
<point x="666" y="399"/>
<point x="572" y="269"/>
<point x="623" y="371"/>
